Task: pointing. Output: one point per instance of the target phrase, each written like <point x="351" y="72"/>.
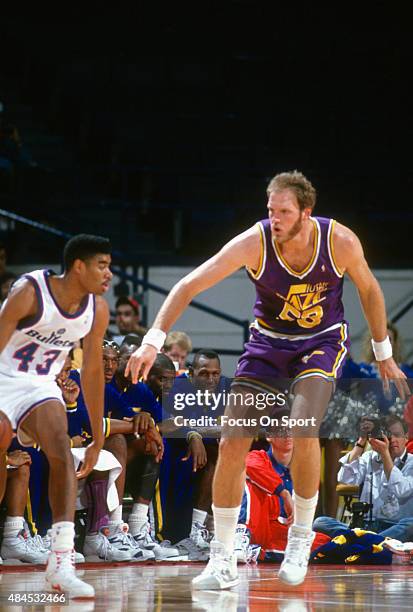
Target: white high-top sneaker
<point x="294" y="567"/>
<point x="199" y="535"/>
<point x="61" y="576"/>
<point x="220" y="572"/>
<point x="241" y="543"/>
<point x="98" y="547"/>
<point x="46" y="543"/>
<point x="145" y="541"/>
<point x="243" y="549"/>
<point x="20" y="549"/>
<point x="122" y="538"/>
<point x="196" y="547"/>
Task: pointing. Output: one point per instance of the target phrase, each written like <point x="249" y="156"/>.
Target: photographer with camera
<point x="385" y="475"/>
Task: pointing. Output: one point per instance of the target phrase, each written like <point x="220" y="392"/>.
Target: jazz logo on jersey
<point x="306" y="358"/>
<point x="302" y="304"/>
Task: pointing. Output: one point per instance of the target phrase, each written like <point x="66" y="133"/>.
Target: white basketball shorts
<point x="19" y="396"/>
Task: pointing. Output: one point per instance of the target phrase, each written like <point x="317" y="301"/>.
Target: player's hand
<point x="154" y="443"/>
<point x="288" y="506"/>
<point x="17" y="458"/>
<point x="142" y="422"/>
<point x="78" y="441"/>
<point x="389" y="370"/>
<point x="140" y="362"/>
<point x="196" y="448"/>
<point x="90" y="460"/>
<point x="70" y="390"/>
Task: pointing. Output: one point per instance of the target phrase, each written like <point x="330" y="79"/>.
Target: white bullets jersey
<point x="39" y="346"/>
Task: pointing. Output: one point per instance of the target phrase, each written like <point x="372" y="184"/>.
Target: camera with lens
<point x="372" y="427"/>
<point x="359" y="510"/>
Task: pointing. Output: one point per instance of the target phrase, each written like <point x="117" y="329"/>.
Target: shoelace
<point x="37" y="544"/>
<point x="26" y="540"/>
<point x="66" y="561"/>
<point x="200" y="536"/>
<point x="217" y="565"/>
<point x="47" y="540"/>
<point x="242" y="539"/>
<point x="297" y="549"/>
<point x="145" y="535"/>
<point x="253" y="553"/>
<point x="189" y="545"/>
<point x="130" y="541"/>
<point x="104" y="546"/>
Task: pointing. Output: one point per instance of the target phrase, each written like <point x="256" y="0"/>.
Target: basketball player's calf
<point x="14" y="546"/>
<point x="203" y="489"/>
<point x="221" y="571"/>
<point x="47" y="426"/>
<point x="311" y="397"/>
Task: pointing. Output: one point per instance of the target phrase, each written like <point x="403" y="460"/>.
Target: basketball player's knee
<point x="233" y="451"/>
<point x="57" y="447"/>
<point x="117" y="445"/>
<point x="306" y="445"/>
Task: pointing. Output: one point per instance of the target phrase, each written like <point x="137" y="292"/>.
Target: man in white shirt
<point x="385" y="474"/>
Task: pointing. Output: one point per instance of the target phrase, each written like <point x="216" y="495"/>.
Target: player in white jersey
<point x="41" y="320"/>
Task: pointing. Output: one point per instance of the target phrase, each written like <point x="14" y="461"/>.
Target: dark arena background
<point x="159" y="125"/>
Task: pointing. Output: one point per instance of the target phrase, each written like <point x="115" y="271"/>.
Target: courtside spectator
<point x="127" y="318"/>
<point x="389" y="467"/>
<point x="267" y="505"/>
<point x="177" y="347"/>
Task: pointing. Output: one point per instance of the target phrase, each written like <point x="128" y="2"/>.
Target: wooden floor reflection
<point x="163" y="587"/>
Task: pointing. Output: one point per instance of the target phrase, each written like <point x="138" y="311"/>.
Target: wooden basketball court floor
<point x="166" y="586"/>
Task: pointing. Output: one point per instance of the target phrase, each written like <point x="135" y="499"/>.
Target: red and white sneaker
<point x="61" y="576"/>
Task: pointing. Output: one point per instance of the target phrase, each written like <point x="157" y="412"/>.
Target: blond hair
<point x="180" y="338"/>
<point x="296" y="181"/>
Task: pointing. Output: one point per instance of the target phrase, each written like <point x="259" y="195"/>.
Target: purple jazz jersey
<point x="299" y="329"/>
<point x="298" y="302"/>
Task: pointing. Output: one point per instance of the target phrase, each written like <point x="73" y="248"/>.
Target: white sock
<point x="304" y="510"/>
<point x="226" y="520"/>
<point x="137" y="518"/>
<point x="12" y="526"/>
<point x="198" y="516"/>
<point x="63" y="536"/>
<point x="114" y="526"/>
<point x="116" y="514"/>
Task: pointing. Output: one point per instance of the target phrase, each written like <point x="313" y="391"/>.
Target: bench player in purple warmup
<point x="41" y="320"/>
<point x="297" y="263"/>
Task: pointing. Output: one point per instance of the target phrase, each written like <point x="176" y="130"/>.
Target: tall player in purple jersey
<point x="41" y="320"/>
<point x="297" y="263"/>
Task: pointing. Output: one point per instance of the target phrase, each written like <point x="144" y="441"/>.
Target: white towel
<point x="106" y="462"/>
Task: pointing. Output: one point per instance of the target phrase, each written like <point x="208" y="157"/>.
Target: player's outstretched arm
<point x="20" y="304"/>
<point x="93" y="383"/>
<point x="243" y="250"/>
<point x="350" y="258"/>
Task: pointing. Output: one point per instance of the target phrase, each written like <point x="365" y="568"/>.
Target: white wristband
<point x="155" y="337"/>
<point x="382" y="350"/>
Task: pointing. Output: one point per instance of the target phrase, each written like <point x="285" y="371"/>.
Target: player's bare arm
<point x="20" y="304"/>
<point x="93" y="383"/>
<point x="350" y="259"/>
<point x="243" y="250"/>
